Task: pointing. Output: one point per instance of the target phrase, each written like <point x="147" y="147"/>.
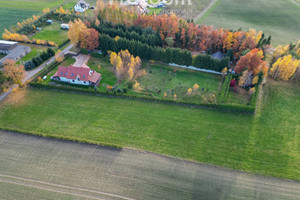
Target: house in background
<point x="12" y="50"/>
<point x="77" y="75"/>
<point x="81" y="6"/>
<point x="142" y="7"/>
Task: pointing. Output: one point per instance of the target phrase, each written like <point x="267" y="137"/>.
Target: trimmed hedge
<point x="64" y="43"/>
<point x="225" y="107"/>
<point x="40" y="59"/>
<point x="225" y="88"/>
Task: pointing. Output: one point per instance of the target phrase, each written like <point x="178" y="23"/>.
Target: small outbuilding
<point x="218" y="55"/>
<point x="64" y="26"/>
<point x="49" y="21"/>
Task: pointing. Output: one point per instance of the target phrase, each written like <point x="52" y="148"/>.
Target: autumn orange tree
<point x="250" y="65"/>
<point x="126" y="65"/>
<point x="14" y="71"/>
<point x="89" y="39"/>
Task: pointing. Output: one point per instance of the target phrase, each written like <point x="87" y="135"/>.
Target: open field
<point x="265" y="143"/>
<point x="52" y="33"/>
<point x="188" y="10"/>
<point x="40" y="168"/>
<point x="10" y="16"/>
<point x="277" y="18"/>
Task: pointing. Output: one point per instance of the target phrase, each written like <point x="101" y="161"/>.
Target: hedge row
<point x="61" y="137"/>
<point x="48" y="69"/>
<point x="64" y="43"/>
<point x="225" y="88"/>
<point x="29" y="28"/>
<point x="168" y="55"/>
<point x="150" y="39"/>
<point x="227" y="107"/>
<point x="38" y="60"/>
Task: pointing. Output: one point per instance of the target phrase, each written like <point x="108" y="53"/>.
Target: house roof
<point x="82" y="3"/>
<point x="83" y="73"/>
<point x="218" y="55"/>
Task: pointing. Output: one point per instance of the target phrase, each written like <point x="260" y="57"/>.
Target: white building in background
<point x="81" y="6"/>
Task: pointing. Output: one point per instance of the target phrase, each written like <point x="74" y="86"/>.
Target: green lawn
<point x="161" y="79"/>
<point x="266" y="143"/>
<point x="277" y="18"/>
<point x="53" y="33"/>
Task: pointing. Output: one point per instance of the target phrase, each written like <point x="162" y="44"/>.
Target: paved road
<point x="30" y="74"/>
<point x="40" y="168"/>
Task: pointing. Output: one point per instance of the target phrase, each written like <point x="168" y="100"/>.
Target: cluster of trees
<point x="146" y="52"/>
<point x="286" y="62"/>
<point x="62" y="11"/>
<point x="7" y="35"/>
<point x="176" y="32"/>
<point x="147" y="36"/>
<point x="166" y="55"/>
<point x="285" y="68"/>
<point x="126" y="65"/>
<point x="82" y="36"/>
<point x="114" y="13"/>
<point x="252" y="65"/>
<point x="28" y="21"/>
<point x="38" y="60"/>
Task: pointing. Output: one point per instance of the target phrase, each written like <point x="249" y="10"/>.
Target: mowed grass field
<point x="266" y="143"/>
<point x="277" y="18"/>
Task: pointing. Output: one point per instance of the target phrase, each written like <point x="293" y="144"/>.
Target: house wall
<point x="63" y="79"/>
<point x="78" y="8"/>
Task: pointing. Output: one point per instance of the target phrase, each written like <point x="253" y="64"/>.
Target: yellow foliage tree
<point x="195" y="87"/>
<point x="224" y="71"/>
<point x="113" y="58"/>
<point x="165" y="95"/>
<point x="189" y="91"/>
<point x="285" y="67"/>
<point x="255" y="80"/>
<point x="59" y="57"/>
<point x="137" y="86"/>
<point x="14" y="71"/>
<point x="75" y="29"/>
<point x="119" y="67"/>
<point x="46" y="10"/>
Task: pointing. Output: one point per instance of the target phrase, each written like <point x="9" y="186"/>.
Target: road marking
<point x="62" y="186"/>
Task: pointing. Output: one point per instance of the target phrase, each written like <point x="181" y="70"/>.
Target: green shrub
<point x="225" y="88"/>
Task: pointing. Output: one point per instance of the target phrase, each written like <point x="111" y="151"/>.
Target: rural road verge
<point x="60" y="169"/>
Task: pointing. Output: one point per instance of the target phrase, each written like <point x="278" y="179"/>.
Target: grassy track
<point x="267" y="143"/>
<point x="277" y="18"/>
